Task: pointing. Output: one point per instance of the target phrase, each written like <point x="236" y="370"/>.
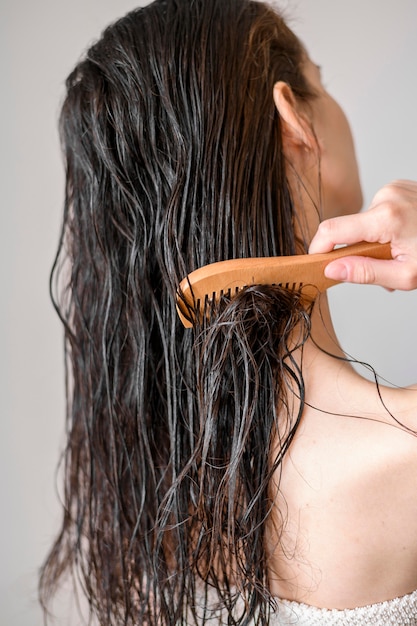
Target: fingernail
<point x="336" y="271"/>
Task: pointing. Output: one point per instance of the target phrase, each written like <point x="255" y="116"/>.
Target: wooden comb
<point x="208" y="284"/>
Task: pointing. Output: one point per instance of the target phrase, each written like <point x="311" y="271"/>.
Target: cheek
<point x="341" y="182"/>
<point x="340" y="137"/>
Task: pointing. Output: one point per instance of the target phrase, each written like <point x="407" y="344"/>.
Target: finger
<point x="346" y="229"/>
<point x="392" y="216"/>
<point x="393" y="274"/>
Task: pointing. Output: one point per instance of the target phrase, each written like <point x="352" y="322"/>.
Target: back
<point x="348" y="492"/>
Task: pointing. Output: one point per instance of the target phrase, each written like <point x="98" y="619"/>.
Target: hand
<point x="391" y="217"/>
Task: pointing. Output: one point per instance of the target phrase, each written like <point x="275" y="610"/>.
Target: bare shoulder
<point x="349" y="484"/>
<point x="400" y="405"/>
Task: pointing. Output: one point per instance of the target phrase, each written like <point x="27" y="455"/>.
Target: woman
<point x="212" y="473"/>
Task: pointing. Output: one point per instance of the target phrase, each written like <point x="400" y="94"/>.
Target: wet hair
<point x="174" y="159"/>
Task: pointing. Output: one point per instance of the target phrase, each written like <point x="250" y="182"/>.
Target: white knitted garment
<point x="398" y="612"/>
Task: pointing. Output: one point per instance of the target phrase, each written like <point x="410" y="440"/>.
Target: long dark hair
<point x="174" y="160"/>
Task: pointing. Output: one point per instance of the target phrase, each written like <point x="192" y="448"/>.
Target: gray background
<point x="368" y="52"/>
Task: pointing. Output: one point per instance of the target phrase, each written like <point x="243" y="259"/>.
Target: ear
<point x="297" y="131"/>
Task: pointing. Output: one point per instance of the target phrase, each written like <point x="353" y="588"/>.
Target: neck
<point x="322" y="330"/>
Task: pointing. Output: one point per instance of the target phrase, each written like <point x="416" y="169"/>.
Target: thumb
<point x="365" y="270"/>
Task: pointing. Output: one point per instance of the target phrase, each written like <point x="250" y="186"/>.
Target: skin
<point x="349" y="481"/>
<point x="318" y="142"/>
<point x="391" y="217"/>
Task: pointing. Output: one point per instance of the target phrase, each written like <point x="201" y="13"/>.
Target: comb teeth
<point x="187" y="312"/>
<point x="226" y="278"/>
<point x="215" y="296"/>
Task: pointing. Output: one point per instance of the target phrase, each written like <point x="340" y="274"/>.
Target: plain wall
<point x="368" y="52"/>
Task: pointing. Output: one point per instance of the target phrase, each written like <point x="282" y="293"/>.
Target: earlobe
<point x="297" y="130"/>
